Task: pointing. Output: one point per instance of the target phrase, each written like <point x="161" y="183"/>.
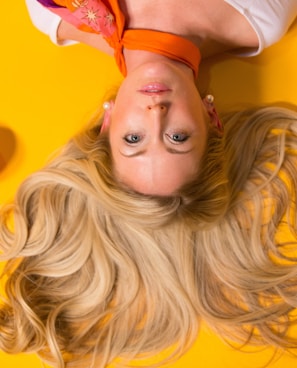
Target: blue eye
<point x="178" y="137"/>
<point x="132" y="138"/>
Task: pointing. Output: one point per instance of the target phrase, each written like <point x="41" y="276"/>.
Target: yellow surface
<point x="47" y="94"/>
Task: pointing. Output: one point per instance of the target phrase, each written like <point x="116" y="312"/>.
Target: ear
<point x="108" y="107"/>
<point x="212" y="112"/>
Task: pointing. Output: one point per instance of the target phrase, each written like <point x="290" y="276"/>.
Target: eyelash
<point x="128" y="138"/>
<point x="129" y="141"/>
<point x="184" y="139"/>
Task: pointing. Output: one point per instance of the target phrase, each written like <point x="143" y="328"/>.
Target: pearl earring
<point x="209" y="99"/>
<point x="106" y="106"/>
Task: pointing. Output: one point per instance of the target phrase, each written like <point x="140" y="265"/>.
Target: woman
<point x="158" y="125"/>
<point x="97" y="271"/>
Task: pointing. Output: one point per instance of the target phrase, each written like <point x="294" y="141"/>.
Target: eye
<point x="132" y="138"/>
<point x="178" y="137"/>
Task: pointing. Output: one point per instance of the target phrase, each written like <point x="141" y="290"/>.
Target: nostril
<point x="157" y="107"/>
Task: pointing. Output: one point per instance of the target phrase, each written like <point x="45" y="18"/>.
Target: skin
<point x="214" y="26"/>
<point x="149" y="165"/>
<point x="157" y="140"/>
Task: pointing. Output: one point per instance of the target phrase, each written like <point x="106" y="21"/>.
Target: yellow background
<point x="47" y="93"/>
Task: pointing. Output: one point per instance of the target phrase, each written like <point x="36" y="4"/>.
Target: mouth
<point x="153" y="89"/>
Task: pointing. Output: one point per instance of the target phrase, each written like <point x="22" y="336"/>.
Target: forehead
<point x="156" y="175"/>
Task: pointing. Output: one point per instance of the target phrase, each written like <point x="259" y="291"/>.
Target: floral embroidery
<point x="96" y="15"/>
<point x="109" y="19"/>
<point x="91" y="15"/>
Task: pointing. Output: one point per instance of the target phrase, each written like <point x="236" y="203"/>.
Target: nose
<point x="156" y="115"/>
<point x="159" y="108"/>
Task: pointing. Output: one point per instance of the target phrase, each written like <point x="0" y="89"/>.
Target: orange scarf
<point x="106" y="17"/>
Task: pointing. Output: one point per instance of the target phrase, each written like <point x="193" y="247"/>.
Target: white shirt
<point x="46" y="21"/>
<point x="270" y="19"/>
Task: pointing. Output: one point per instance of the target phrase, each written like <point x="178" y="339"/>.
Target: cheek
<point x="114" y="138"/>
<point x="117" y="125"/>
<point x="192" y="96"/>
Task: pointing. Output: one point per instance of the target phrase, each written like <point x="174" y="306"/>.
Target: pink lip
<point x="154" y="89"/>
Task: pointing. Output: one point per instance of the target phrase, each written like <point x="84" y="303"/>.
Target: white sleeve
<point x="270" y="19"/>
<point x="46" y="21"/>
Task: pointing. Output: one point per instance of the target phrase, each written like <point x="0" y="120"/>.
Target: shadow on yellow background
<point x="48" y="93"/>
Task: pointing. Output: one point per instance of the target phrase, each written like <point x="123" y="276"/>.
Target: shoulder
<point x="270" y="19"/>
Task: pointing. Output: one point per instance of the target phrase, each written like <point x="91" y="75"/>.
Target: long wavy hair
<point x="97" y="272"/>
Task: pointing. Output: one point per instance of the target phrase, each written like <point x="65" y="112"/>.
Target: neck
<point x="213" y="26"/>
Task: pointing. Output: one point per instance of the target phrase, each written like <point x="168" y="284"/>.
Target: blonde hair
<point x="96" y="271"/>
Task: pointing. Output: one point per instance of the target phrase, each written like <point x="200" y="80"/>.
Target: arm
<point x="61" y="32"/>
<point x="67" y="31"/>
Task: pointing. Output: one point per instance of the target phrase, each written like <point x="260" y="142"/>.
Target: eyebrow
<point x="168" y="149"/>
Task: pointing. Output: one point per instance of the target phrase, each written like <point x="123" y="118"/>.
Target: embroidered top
<point x="105" y="17"/>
